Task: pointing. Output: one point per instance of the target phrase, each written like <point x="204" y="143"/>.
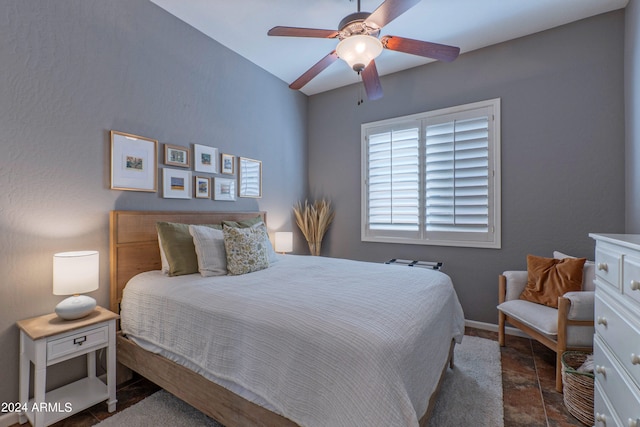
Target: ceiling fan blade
<point x="302" y="32"/>
<point x="371" y="81"/>
<point x="388" y="11"/>
<point x="441" y="52"/>
<point x="314" y="71"/>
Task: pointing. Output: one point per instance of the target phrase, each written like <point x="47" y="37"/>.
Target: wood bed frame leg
<point x="123" y="374"/>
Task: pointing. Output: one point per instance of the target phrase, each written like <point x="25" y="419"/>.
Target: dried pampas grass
<point x="313" y="220"/>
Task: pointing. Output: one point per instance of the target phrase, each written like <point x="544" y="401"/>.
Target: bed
<point x="307" y="341"/>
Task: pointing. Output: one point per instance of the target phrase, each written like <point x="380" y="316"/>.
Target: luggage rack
<point x="431" y="265"/>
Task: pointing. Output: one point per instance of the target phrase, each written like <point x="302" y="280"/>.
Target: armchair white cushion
<point x="568" y="327"/>
<point x="581" y="305"/>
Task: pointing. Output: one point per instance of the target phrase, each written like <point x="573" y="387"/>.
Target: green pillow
<point x="177" y="245"/>
<point x="245" y="223"/>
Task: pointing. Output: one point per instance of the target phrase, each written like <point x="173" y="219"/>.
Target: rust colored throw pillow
<point x="550" y="278"/>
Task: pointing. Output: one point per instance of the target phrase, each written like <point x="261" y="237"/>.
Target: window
<point x="433" y="178"/>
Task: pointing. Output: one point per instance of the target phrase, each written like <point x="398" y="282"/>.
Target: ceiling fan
<point x="359" y="44"/>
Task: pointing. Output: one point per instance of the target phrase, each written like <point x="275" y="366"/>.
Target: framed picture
<point x="176" y="156"/>
<point x="227" y="163"/>
<point x="205" y="159"/>
<point x="224" y="189"/>
<point x="249" y="178"/>
<point x="134" y="162"/>
<point x="176" y="184"/>
<point x="202" y="187"/>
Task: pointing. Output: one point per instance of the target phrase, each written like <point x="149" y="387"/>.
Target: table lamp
<point x="284" y="241"/>
<point x="75" y="273"/>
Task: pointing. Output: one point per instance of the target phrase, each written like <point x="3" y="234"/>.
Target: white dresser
<point x="616" y="343"/>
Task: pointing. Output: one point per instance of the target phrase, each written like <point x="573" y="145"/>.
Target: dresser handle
<point x="602" y="320"/>
<point x="635" y="285"/>
<point x="601" y="370"/>
<point x="602" y="266"/>
<point x="80" y="340"/>
<point x="635" y="359"/>
<point x="601" y="418"/>
<point x="632" y="422"/>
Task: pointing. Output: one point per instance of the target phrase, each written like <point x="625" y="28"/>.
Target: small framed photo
<point x="224" y="189"/>
<point x="134" y="162"/>
<point x="249" y="178"/>
<point x="205" y="159"/>
<point x="227" y="162"/>
<point x="202" y="187"/>
<point x="176" y="184"/>
<point x="176" y="156"/>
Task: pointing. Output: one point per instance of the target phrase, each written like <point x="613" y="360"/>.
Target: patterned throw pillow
<point x="246" y="249"/>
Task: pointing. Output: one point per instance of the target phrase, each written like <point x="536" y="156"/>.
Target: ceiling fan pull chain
<point x="360" y="85"/>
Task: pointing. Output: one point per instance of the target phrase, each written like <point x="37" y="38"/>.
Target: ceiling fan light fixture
<point x="359" y="50"/>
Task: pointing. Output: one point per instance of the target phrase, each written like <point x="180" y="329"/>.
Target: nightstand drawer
<point x="77" y="343"/>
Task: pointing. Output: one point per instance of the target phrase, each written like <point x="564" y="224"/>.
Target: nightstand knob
<point x="601" y="370"/>
<point x="601" y="418"/>
<point x="635" y="359"/>
<point x="635" y="285"/>
<point x="602" y="266"/>
<point x="602" y="320"/>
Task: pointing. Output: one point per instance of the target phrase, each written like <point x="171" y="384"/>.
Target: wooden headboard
<point x="133" y="245"/>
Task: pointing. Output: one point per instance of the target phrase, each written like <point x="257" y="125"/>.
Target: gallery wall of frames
<point x="195" y="171"/>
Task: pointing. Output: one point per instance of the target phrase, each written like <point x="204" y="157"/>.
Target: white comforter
<point x="322" y="341"/>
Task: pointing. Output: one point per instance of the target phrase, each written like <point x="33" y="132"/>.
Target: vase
<point x="314" y="248"/>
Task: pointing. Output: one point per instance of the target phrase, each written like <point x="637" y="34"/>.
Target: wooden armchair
<point x="569" y="327"/>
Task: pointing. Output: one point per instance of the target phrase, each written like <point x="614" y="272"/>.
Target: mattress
<point x="321" y="341"/>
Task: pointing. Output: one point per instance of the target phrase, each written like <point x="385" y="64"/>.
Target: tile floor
<point x="528" y="377"/>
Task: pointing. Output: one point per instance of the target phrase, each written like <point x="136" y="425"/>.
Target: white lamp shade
<point x="75" y="272"/>
<point x="359" y="50"/>
<point x="284" y="241"/>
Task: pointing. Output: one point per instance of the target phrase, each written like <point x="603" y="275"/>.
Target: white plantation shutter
<point x="250" y="177"/>
<point x="457" y="175"/>
<point x="433" y="178"/>
<point x="394" y="180"/>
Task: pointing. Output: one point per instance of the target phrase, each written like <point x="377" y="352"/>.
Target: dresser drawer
<point x="631" y="281"/>
<point x="620" y="335"/>
<point x="623" y="397"/>
<point x="608" y="266"/>
<point x="77" y="343"/>
<point x="604" y="416"/>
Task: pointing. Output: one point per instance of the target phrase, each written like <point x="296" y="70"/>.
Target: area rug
<point x="471" y="394"/>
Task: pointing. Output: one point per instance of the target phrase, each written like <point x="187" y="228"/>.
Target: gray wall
<point x="632" y="118"/>
<point x="72" y="70"/>
<point x="562" y="149"/>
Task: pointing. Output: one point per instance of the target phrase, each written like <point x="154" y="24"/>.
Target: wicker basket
<point x="577" y="387"/>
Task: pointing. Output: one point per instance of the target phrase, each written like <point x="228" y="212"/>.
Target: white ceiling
<point x="242" y="25"/>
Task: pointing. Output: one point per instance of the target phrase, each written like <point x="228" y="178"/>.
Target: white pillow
<point x="209" y="244"/>
<point x="588" y="272"/>
<point x="163" y="257"/>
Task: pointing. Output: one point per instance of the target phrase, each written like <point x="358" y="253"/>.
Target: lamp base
<point x="75" y="307"/>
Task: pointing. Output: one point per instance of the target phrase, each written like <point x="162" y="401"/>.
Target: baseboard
<point x="7" y="420"/>
<point x="509" y="330"/>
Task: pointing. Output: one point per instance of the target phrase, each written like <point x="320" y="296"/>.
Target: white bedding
<point x="321" y="341"/>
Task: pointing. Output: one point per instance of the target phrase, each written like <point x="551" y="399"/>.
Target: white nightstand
<point x="47" y="340"/>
